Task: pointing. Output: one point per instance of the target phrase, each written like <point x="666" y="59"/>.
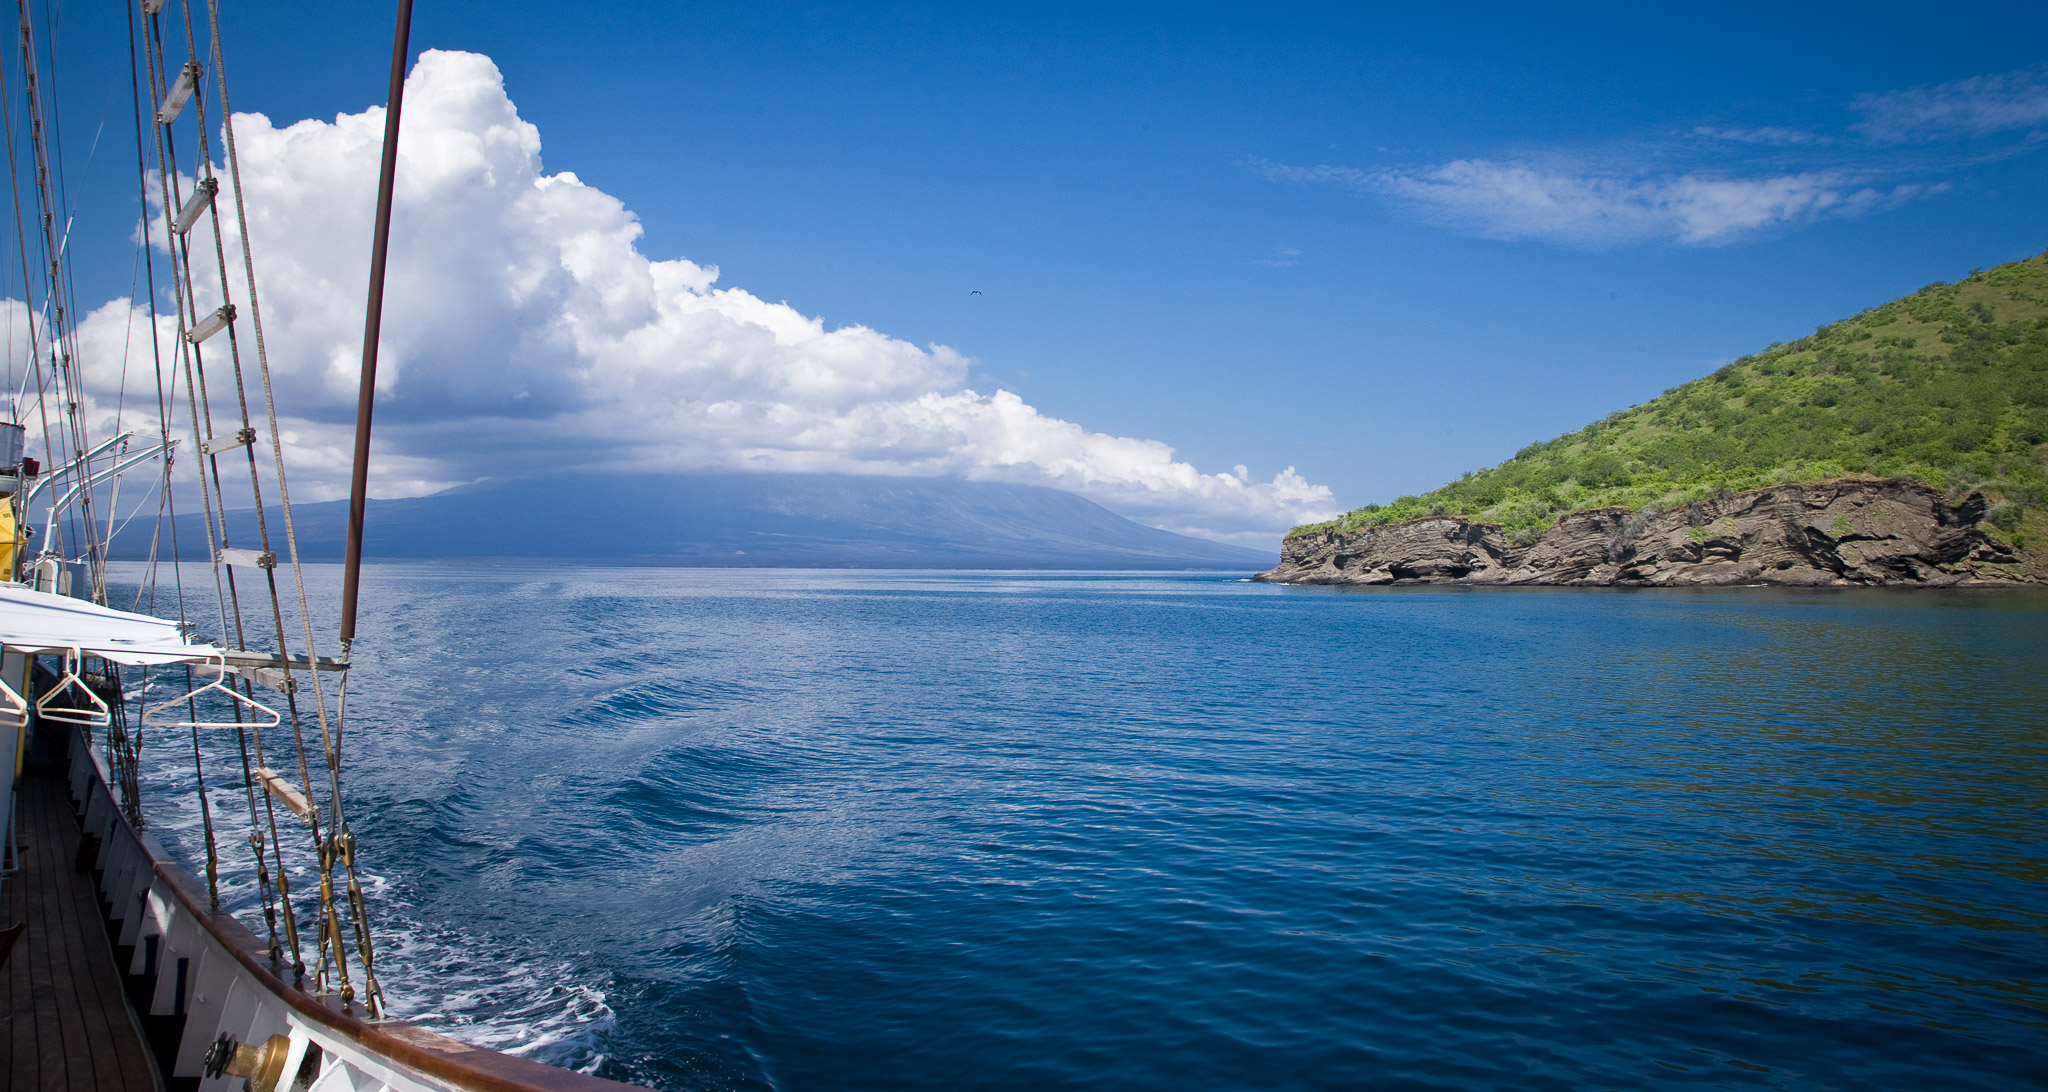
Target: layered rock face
<point x="1843" y="532"/>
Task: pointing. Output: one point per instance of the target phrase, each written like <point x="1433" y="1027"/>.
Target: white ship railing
<point x="209" y="976"/>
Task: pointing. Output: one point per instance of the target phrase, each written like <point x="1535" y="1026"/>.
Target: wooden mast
<point x="373" y="320"/>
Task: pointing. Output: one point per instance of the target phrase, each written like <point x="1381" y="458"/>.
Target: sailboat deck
<point x="68" y="1024"/>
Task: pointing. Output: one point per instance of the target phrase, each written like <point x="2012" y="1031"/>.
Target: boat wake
<point x="479" y="989"/>
<point x="469" y="988"/>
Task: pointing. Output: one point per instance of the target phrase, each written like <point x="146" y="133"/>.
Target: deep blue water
<point x="816" y="830"/>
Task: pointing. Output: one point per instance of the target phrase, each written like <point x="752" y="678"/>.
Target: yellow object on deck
<point x="10" y="538"/>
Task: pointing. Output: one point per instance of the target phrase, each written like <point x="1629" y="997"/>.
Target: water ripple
<point x="778" y="829"/>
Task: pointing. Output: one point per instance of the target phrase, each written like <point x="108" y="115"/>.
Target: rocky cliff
<point x="1843" y="532"/>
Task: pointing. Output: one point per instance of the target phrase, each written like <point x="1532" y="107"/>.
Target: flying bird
<point x="976" y="292"/>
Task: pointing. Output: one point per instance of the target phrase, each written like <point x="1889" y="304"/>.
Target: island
<point x="1907" y="445"/>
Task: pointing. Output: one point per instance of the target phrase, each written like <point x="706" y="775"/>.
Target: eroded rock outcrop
<point x="1843" y="532"/>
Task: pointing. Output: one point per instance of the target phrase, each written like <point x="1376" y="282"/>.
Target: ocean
<point x="802" y="829"/>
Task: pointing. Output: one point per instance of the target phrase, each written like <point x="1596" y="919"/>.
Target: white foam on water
<point x="481" y="990"/>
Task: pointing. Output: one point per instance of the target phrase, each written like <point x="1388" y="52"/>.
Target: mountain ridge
<point x="745" y="520"/>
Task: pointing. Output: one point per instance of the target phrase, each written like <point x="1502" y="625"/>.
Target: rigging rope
<point x="35" y="347"/>
<point x="64" y="339"/>
<point x="328" y="934"/>
<point x="342" y="841"/>
<point x="228" y="599"/>
<point x="50" y="330"/>
<point x="334" y="847"/>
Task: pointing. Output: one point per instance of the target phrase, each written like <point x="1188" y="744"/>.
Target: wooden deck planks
<point x="69" y="1022"/>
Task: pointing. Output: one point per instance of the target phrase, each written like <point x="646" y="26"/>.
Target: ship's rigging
<point x="283" y="705"/>
<point x="299" y="1005"/>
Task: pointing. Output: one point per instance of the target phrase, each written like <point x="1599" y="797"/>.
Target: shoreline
<point x="1840" y="533"/>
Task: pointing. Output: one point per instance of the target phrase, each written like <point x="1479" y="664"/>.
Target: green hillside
<point x="1948" y="385"/>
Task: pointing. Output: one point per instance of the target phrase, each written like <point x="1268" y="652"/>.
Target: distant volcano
<point x="768" y="520"/>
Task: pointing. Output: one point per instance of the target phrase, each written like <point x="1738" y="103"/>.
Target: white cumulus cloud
<point x="525" y="330"/>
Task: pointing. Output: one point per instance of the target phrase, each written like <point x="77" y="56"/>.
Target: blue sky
<point x="1379" y="247"/>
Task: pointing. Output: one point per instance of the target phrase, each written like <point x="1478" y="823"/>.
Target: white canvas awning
<point x="35" y="621"/>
